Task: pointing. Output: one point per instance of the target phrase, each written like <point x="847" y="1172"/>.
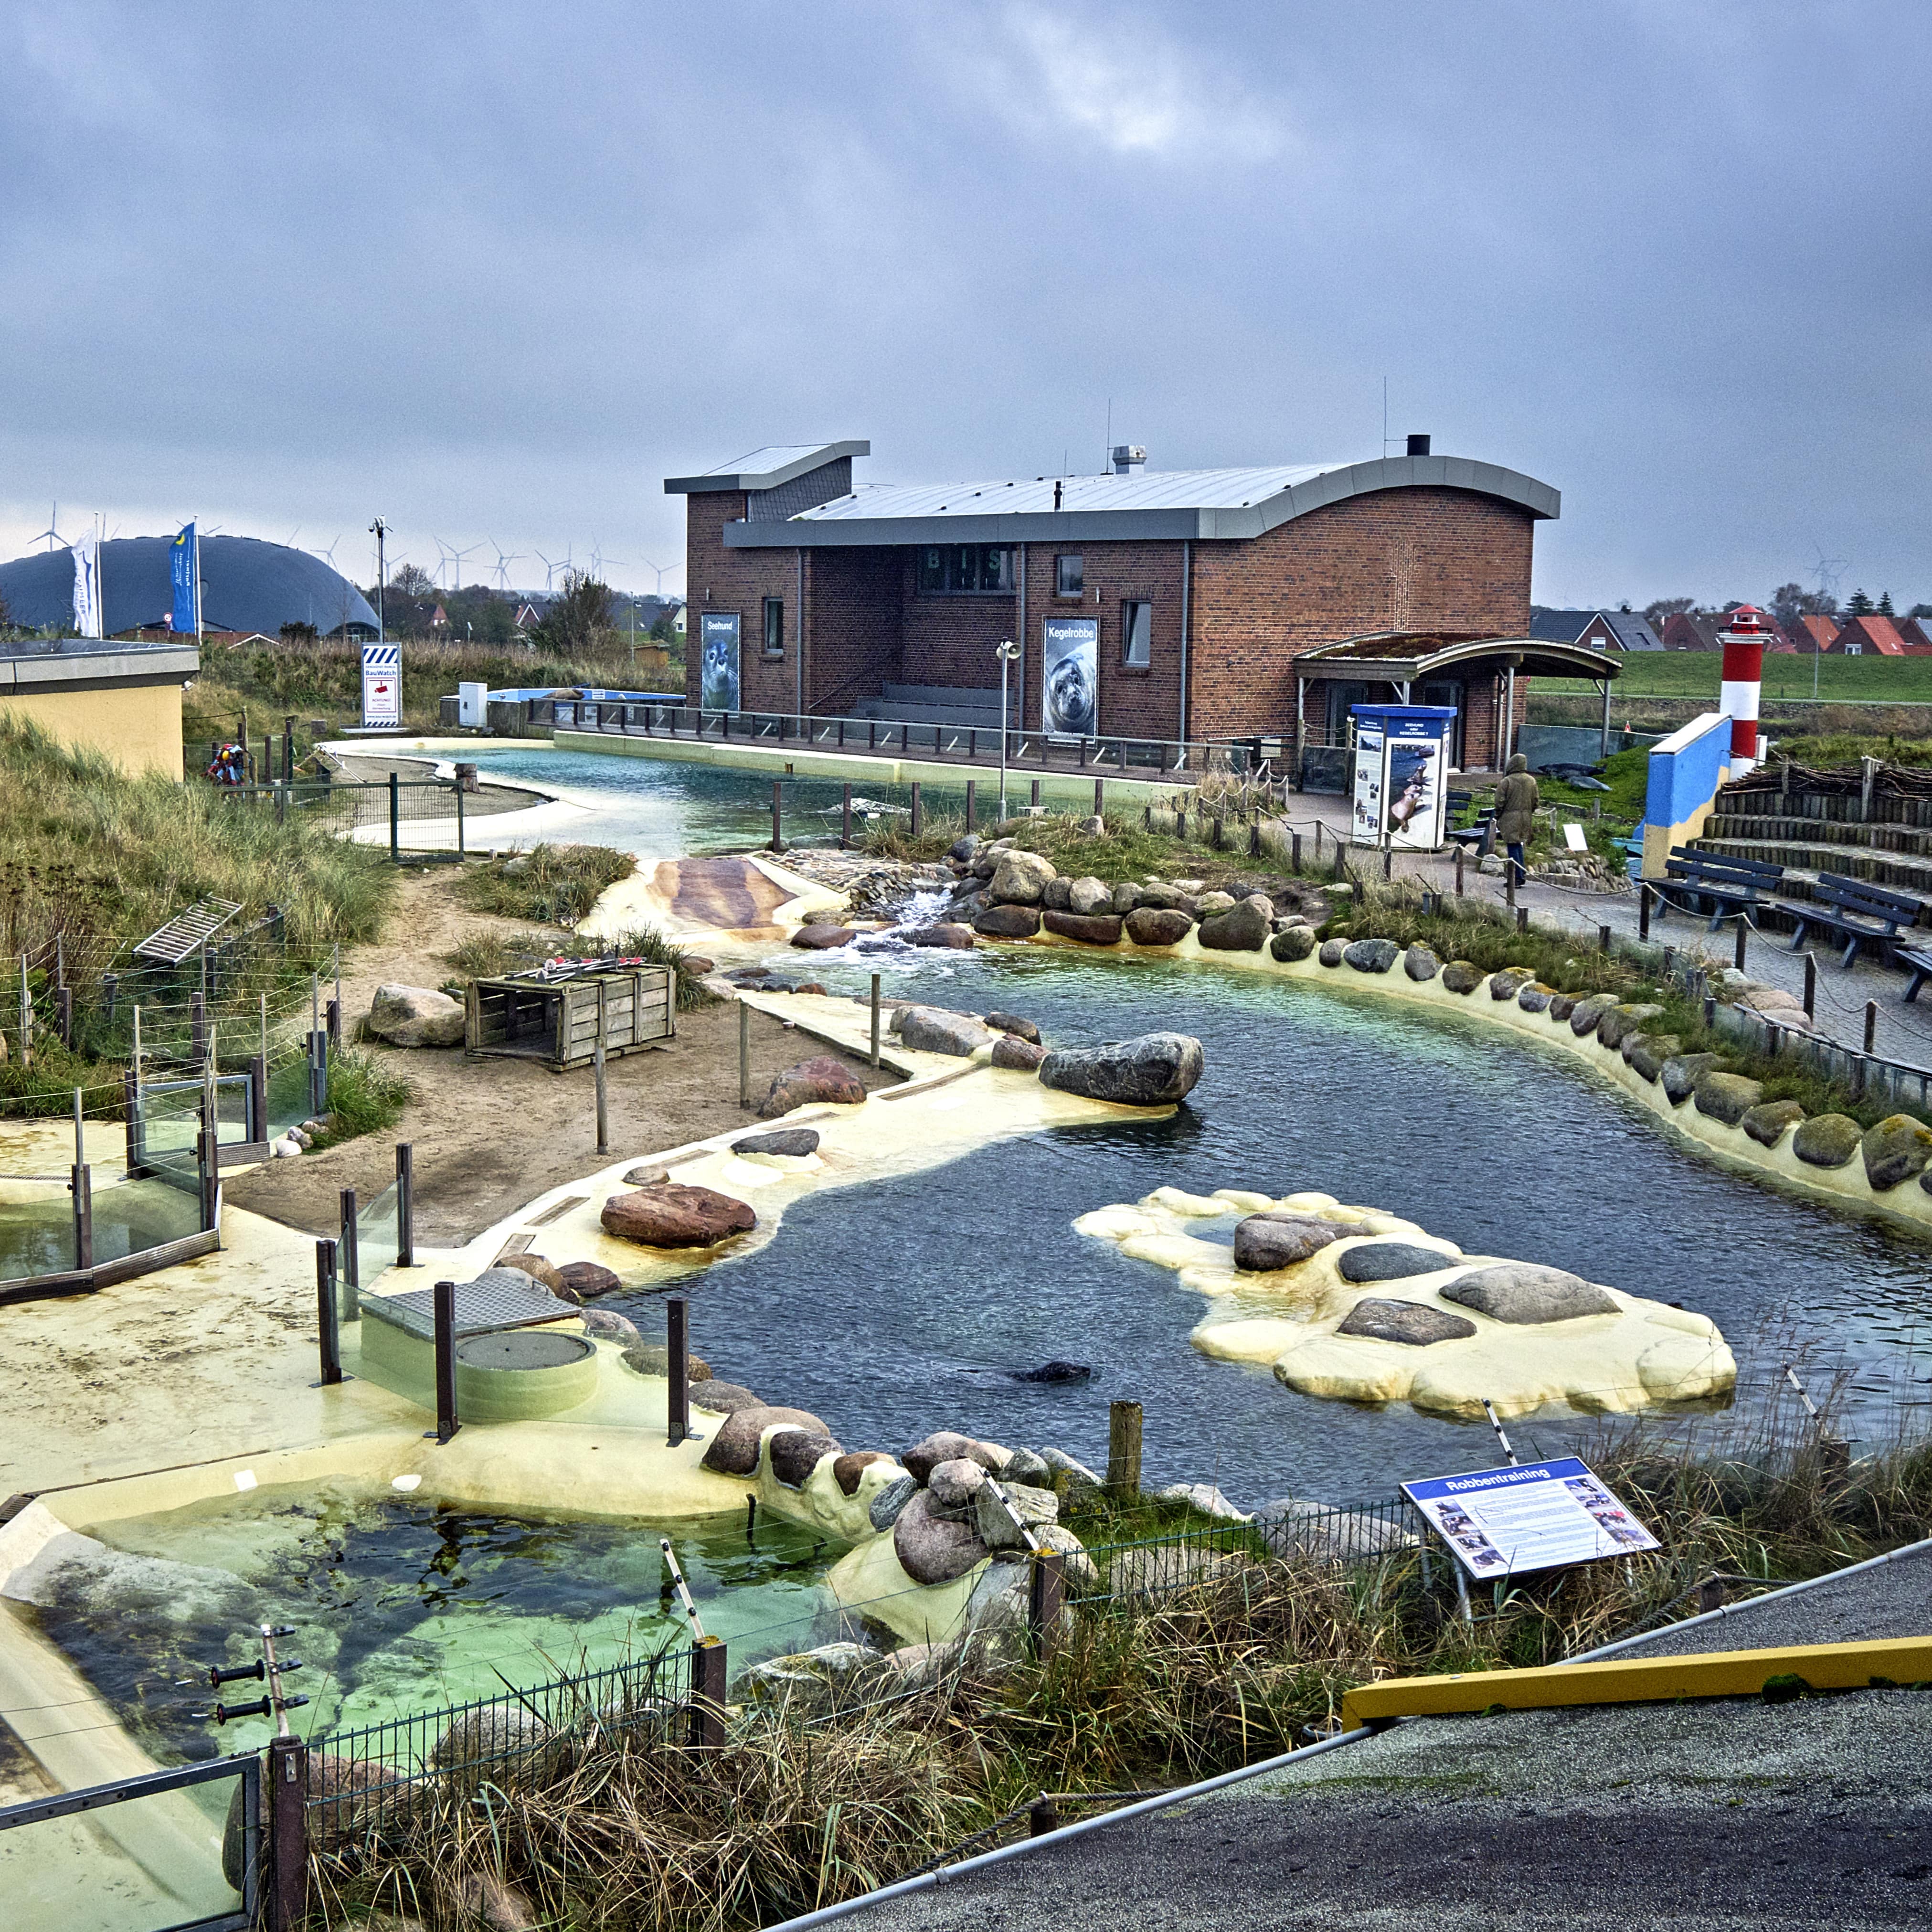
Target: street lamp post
<point x="1008" y="651"/>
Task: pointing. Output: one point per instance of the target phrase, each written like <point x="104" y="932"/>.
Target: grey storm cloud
<point x="499" y="269"/>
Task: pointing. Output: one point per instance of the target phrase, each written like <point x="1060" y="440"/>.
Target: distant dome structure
<point x="246" y="585"/>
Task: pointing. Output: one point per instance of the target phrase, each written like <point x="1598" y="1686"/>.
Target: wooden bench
<point x="1731" y="885"/>
<point x="1921" y="965"/>
<point x="1854" y="911"/>
<point x="1479" y="835"/>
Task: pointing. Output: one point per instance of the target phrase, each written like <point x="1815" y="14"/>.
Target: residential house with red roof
<point x="1872" y="637"/>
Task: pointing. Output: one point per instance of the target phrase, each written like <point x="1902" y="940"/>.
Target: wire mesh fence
<point x="410" y="814"/>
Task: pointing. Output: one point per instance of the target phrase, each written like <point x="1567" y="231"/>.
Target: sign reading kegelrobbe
<point x="718" y="688"/>
<point x="1534" y="1516"/>
<point x="1069" y="672"/>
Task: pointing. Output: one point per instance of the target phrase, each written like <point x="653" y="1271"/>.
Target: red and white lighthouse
<point x="1743" y="638"/>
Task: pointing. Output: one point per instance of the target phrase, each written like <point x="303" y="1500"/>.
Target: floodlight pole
<point x="1007" y="652"/>
<point x="381" y="531"/>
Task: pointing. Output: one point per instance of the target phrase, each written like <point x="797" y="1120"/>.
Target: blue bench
<point x="1852" y="910"/>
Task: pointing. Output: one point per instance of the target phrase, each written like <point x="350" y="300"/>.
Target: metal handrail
<point x="1172" y="757"/>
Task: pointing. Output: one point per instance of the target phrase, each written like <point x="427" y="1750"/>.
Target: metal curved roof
<point x="246" y="585"/>
<point x="1403" y="655"/>
<point x="1175" y="503"/>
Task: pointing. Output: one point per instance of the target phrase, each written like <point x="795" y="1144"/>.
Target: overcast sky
<point x="494" y="271"/>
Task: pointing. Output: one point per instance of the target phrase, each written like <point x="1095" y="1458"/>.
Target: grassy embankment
<point x="91" y="859"/>
<point x="1866" y="707"/>
<point x="807" y="1806"/>
<point x="320" y="685"/>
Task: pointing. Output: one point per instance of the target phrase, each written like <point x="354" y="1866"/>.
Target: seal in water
<point x="1053" y="1371"/>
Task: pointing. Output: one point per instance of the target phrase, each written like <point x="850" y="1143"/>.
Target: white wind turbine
<point x="51" y="532"/>
<point x="502" y="566"/>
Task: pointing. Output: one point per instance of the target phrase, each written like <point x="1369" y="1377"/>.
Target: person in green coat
<point x="1516" y="800"/>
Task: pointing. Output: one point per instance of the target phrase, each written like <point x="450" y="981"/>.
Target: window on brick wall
<point x="774" y="627"/>
<point x="965" y="570"/>
<point x="1136" y="635"/>
<point x="1070" y="576"/>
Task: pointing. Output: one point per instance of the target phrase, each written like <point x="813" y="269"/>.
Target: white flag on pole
<point x="87" y="585"/>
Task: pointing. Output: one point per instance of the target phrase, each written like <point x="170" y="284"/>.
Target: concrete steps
<point x="963" y="709"/>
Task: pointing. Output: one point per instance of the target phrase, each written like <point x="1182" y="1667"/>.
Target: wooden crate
<point x="560" y="1023"/>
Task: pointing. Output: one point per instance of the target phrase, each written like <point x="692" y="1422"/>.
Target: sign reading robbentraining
<point x="383" y="686"/>
<point x="1536" y="1515"/>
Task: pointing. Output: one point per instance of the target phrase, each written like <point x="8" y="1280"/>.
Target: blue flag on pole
<point x="180" y="568"/>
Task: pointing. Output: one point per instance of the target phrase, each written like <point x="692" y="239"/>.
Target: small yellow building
<point x="123" y="700"/>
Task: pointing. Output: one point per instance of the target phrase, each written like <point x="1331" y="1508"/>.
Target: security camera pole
<point x="1008" y="651"/>
<point x="380" y="531"/>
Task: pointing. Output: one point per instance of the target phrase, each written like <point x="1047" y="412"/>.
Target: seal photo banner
<point x="1070" y="678"/>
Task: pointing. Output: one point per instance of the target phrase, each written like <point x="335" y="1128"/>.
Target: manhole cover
<point x="523" y="1348"/>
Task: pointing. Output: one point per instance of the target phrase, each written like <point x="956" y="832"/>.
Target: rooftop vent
<point x="1418" y="446"/>
<point x="1126" y="455"/>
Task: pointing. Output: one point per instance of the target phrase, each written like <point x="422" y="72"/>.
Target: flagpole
<point x="197" y="581"/>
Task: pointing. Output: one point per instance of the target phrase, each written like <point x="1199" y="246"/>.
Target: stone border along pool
<point x="1612" y="1047"/>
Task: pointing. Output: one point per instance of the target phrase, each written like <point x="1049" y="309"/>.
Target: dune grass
<point x="557" y="884"/>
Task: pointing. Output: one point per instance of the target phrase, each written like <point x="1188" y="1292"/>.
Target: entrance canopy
<point x="1402" y="658"/>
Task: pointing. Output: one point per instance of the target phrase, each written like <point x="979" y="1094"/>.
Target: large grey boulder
<point x="1895" y="1150"/>
<point x="931" y="1548"/>
<point x="1727" y="1096"/>
<point x="1507" y="984"/>
<point x="1154" y="1070"/>
<point x="1242" y="928"/>
<point x="796" y="1452"/>
<point x="1089" y="895"/>
<point x="1416" y="1324"/>
<point x="1007" y="922"/>
<point x="891" y="1499"/>
<point x="1204" y="1497"/>
<point x="1090" y="928"/>
<point x="1828" y="1140"/>
<point x="416" y="1016"/>
<point x="946" y="1445"/>
<point x="954" y="1483"/>
<point x="1332" y="952"/>
<point x="1156" y="925"/>
<point x="1586" y="1015"/>
<point x="1296" y="942"/>
<point x="933" y="1030"/>
<point x="1371" y="955"/>
<point x="1163" y="897"/>
<point x="1390" y="1261"/>
<point x="1680" y="1073"/>
<point x="1265" y="1241"/>
<point x="1069" y="1478"/>
<point x="789" y="1143"/>
<point x="1462" y="976"/>
<point x="1020" y="877"/>
<point x="1056" y="895"/>
<point x="1212" y="905"/>
<point x="1017" y="1056"/>
<point x="1525" y="1295"/>
<point x="1535" y="997"/>
<point x="734" y="1450"/>
<point x="1420" y="963"/>
<point x="1646" y="1052"/>
<point x="1035" y="1507"/>
<point x="1770" y="1122"/>
<point x="1622" y="1020"/>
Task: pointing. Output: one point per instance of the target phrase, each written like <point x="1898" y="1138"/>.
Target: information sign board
<point x="1533" y="1516"/>
<point x="382" y="686"/>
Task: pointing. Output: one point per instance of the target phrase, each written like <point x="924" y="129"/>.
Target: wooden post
<point x="597" y="1060"/>
<point x="1294" y="850"/>
<point x="1034" y="799"/>
<point x="1603" y="939"/>
<point x="447" y="1422"/>
<point x="1522" y="919"/>
<point x="82" y="1184"/>
<point x="1643" y="910"/>
<point x="287" y="1888"/>
<point x="64" y="1015"/>
<point x="1744" y="927"/>
<point x="1255" y="837"/>
<point x="708" y="1676"/>
<point x="845" y="822"/>
<point x="1124" y="1449"/>
<point x="327" y="1315"/>
<point x="1871" y="1024"/>
<point x="1461" y="855"/>
<point x="1218" y="838"/>
<point x="677" y="1370"/>
<point x="349" y="1258"/>
<point x="26" y="1017"/>
<point x="916" y="820"/>
<point x="875" y="1019"/>
<point x="778" y="816"/>
<point x="1099" y="798"/>
<point x="1045" y="1597"/>
<point x="1811" y="985"/>
<point x="972" y="804"/>
<point x="406" y="1229"/>
<point x="744" y="1054"/>
<point x="1509" y="881"/>
<point x="395" y="820"/>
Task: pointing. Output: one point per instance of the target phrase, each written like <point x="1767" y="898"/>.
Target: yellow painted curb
<point x="1731" y="1673"/>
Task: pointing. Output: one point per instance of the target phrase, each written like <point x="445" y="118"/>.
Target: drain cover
<point x="523" y="1348"/>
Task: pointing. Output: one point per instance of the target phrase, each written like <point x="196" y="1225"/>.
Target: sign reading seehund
<point x="1537" y="1516"/>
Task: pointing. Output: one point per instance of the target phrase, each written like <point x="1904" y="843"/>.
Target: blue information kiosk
<point x="1401" y="775"/>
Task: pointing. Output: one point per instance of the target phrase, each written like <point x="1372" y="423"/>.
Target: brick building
<point x="1194" y="595"/>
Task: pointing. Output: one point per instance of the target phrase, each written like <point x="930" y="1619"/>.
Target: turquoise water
<point x="919" y="1296"/>
<point x="400" y="1605"/>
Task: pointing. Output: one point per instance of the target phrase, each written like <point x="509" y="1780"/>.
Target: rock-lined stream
<point x="904" y="1306"/>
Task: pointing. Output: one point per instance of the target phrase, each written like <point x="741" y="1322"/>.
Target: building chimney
<point x="1418" y="446"/>
<point x="1125" y="456"/>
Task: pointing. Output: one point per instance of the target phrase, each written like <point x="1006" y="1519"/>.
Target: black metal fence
<point x="1179" y="758"/>
<point x="422" y="816"/>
